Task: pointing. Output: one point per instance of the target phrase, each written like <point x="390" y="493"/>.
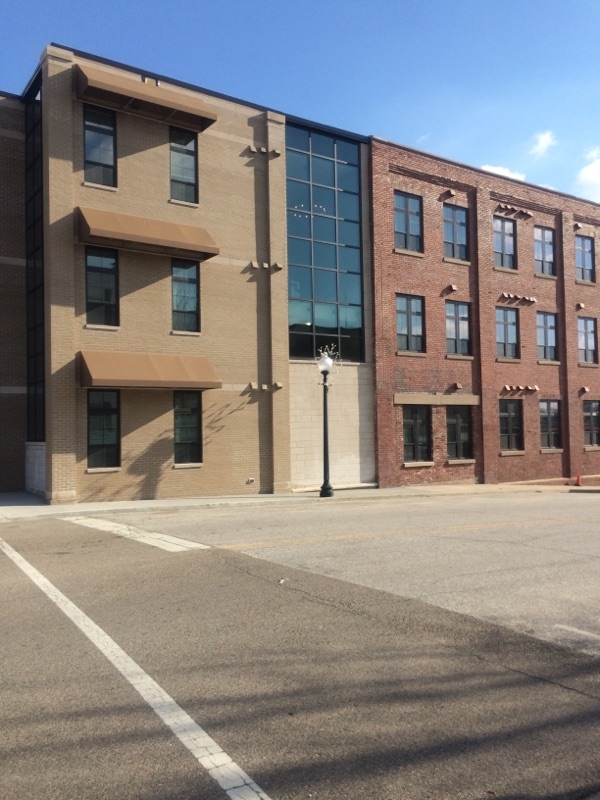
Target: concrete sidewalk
<point x="22" y="505"/>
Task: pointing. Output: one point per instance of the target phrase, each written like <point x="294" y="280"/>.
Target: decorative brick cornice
<point x="429" y="177"/>
<point x="519" y="203"/>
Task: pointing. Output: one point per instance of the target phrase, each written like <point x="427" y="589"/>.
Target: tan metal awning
<point x="113" y="370"/>
<point x="112" y="229"/>
<point x="147" y="99"/>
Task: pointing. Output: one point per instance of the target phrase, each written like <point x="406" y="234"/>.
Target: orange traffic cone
<point x="578" y="480"/>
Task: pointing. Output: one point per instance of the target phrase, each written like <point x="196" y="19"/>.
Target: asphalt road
<point x="315" y="644"/>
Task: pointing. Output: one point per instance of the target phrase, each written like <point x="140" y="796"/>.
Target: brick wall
<point x="485" y="287"/>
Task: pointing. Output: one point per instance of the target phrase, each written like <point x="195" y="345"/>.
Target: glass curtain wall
<point x="324" y="244"/>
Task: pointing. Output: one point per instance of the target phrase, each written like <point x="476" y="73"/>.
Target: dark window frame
<point x="415" y="342"/>
<point x="585" y="268"/>
<point x="407" y="239"/>
<point x="92" y="168"/>
<point x="456" y="344"/>
<point x="511" y="425"/>
<point x="186" y="191"/>
<point x="547" y="335"/>
<point x="544" y="248"/>
<point x="586" y="327"/>
<point x="550" y="427"/>
<point x="510" y="321"/>
<point x="190" y="449"/>
<point x="415" y="420"/>
<point x="183" y="319"/>
<point x="506" y="234"/>
<point x="456" y="227"/>
<point x="104" y="455"/>
<point x="98" y="312"/>
<point x="591" y="423"/>
<point x="459" y="421"/>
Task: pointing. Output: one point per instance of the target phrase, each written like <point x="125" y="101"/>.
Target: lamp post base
<point x="326" y="490"/>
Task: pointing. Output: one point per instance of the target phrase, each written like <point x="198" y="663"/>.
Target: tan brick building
<point x="486" y="312"/>
<point x="145" y="294"/>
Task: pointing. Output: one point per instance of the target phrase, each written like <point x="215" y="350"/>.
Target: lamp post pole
<point x="325" y="364"/>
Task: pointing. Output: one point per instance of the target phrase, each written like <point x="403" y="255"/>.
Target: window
<point x="325" y="296"/>
<point x="550" y="424"/>
<point x="458" y="432"/>
<point x="586" y="340"/>
<point x="504" y="243"/>
<point x="188" y="440"/>
<point x="584" y="258"/>
<point x="408" y="222"/>
<point x="546" y="336"/>
<point x="544" y="250"/>
<point x="184" y="166"/>
<point x="410" y="334"/>
<point x="591" y="423"/>
<point x="99" y="146"/>
<point x="102" y="299"/>
<point x="455" y="232"/>
<point x="103" y="429"/>
<point x="507" y="333"/>
<point x="186" y="295"/>
<point x="458" y="338"/>
<point x="417" y="433"/>
<point x="511" y="425"/>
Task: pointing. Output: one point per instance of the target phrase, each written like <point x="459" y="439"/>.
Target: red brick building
<point x="486" y="313"/>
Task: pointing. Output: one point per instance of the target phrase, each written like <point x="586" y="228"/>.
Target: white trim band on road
<point x="588" y="634"/>
<point x="171" y="543"/>
<point x="210" y="755"/>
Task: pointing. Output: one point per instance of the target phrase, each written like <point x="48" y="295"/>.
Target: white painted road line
<point x="210" y="755"/>
<point x="579" y="631"/>
<point x="171" y="543"/>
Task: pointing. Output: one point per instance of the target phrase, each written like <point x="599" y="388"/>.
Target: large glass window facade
<point x="324" y="244"/>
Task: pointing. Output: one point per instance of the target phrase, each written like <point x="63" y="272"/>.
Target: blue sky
<point x="512" y="86"/>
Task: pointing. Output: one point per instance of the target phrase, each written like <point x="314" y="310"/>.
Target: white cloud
<point x="543" y="142"/>
<point x="508" y="173"/>
<point x="588" y="177"/>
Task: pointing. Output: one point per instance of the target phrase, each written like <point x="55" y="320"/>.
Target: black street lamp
<point x="325" y="363"/>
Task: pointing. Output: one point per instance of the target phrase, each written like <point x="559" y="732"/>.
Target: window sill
<point x="548" y="450"/>
<point x="548" y="362"/>
<point x="545" y="277"/>
<point x="184" y="203"/>
<point x="587" y="365"/>
<point x="459" y="261"/>
<point x="191" y="465"/>
<point x="415" y="253"/>
<point x="508" y="360"/>
<point x="510" y="453"/>
<point x="581" y="282"/>
<point x="457" y="462"/>
<point x="458" y="357"/>
<point x="410" y="354"/>
<point x="92" y="327"/>
<point x="591" y="448"/>
<point x="96" y="470"/>
<point x="416" y="464"/>
<point x="185" y="333"/>
<point x="100" y="186"/>
<point x="506" y="269"/>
